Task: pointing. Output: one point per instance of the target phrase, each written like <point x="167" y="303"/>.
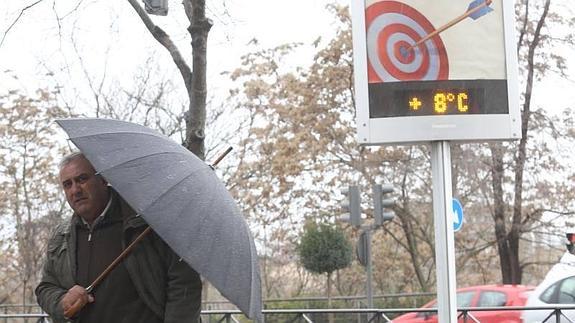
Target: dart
<point x="475" y="10"/>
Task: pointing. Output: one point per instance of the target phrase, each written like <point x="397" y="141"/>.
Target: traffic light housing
<point x="352" y="206"/>
<point x="382" y="204"/>
<point x="156" y="7"/>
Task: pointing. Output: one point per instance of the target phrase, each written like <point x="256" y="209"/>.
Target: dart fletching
<point x="479" y="12"/>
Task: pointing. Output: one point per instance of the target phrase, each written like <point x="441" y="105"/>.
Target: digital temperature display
<point x="439" y="98"/>
<point x="440" y="102"/>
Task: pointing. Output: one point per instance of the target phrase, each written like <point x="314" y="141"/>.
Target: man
<point x="151" y="285"/>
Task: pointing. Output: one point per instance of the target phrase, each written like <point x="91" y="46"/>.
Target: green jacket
<point x="165" y="283"/>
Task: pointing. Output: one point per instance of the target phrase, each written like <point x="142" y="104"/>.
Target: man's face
<point x="86" y="193"/>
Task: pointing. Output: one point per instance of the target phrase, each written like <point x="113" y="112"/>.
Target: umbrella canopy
<point x="181" y="198"/>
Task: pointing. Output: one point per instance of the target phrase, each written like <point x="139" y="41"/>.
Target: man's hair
<point x="75" y="156"/>
<point x="70" y="157"/>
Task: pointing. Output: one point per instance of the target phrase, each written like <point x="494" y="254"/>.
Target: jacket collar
<point x="100" y="217"/>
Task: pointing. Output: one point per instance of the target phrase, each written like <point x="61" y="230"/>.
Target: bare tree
<point x="31" y="199"/>
<point x="535" y="27"/>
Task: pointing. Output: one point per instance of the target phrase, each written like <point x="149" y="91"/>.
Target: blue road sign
<point x="457" y="215"/>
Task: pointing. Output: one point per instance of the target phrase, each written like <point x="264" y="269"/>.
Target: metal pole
<point x="444" y="240"/>
<point x="368" y="267"/>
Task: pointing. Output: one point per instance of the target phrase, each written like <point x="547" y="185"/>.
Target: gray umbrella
<point x="181" y="199"/>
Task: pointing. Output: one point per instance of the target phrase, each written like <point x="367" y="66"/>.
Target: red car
<point x="479" y="296"/>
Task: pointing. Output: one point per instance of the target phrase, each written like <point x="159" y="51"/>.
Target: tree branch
<point x="524" y="24"/>
<point x="16" y="20"/>
<point x="163" y="38"/>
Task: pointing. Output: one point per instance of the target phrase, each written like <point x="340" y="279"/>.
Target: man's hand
<point x="77" y="296"/>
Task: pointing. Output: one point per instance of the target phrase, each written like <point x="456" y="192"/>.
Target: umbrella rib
<point x="142" y="157"/>
<point x="120" y="132"/>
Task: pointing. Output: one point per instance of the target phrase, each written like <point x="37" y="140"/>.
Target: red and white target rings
<point x="392" y="29"/>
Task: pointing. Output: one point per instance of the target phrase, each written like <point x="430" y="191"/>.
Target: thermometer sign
<point x="435" y="70"/>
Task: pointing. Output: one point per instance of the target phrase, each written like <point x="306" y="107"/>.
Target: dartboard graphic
<point x="393" y="28"/>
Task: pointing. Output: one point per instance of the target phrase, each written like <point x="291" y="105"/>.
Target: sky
<point x="109" y="36"/>
<point x="57" y="43"/>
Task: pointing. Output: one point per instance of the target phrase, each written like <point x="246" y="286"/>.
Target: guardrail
<point x="362" y="315"/>
<point x="383" y="315"/>
<point x="408" y="299"/>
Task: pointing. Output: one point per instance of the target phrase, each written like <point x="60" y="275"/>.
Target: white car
<point x="558" y="288"/>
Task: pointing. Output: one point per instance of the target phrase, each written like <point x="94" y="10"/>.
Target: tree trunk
<point x="497" y="175"/>
<point x="195" y="81"/>
<point x="196" y="116"/>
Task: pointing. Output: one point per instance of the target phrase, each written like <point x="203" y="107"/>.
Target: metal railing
<point x="379" y="315"/>
<point x="21" y="313"/>
<point x="340" y="315"/>
<point x="411" y="299"/>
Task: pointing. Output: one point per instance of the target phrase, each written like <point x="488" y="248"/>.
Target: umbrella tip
<point x="224" y="154"/>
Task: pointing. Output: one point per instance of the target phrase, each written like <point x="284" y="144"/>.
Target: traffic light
<point x="156" y="7"/>
<point x="352" y="206"/>
<point x="381" y="203"/>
